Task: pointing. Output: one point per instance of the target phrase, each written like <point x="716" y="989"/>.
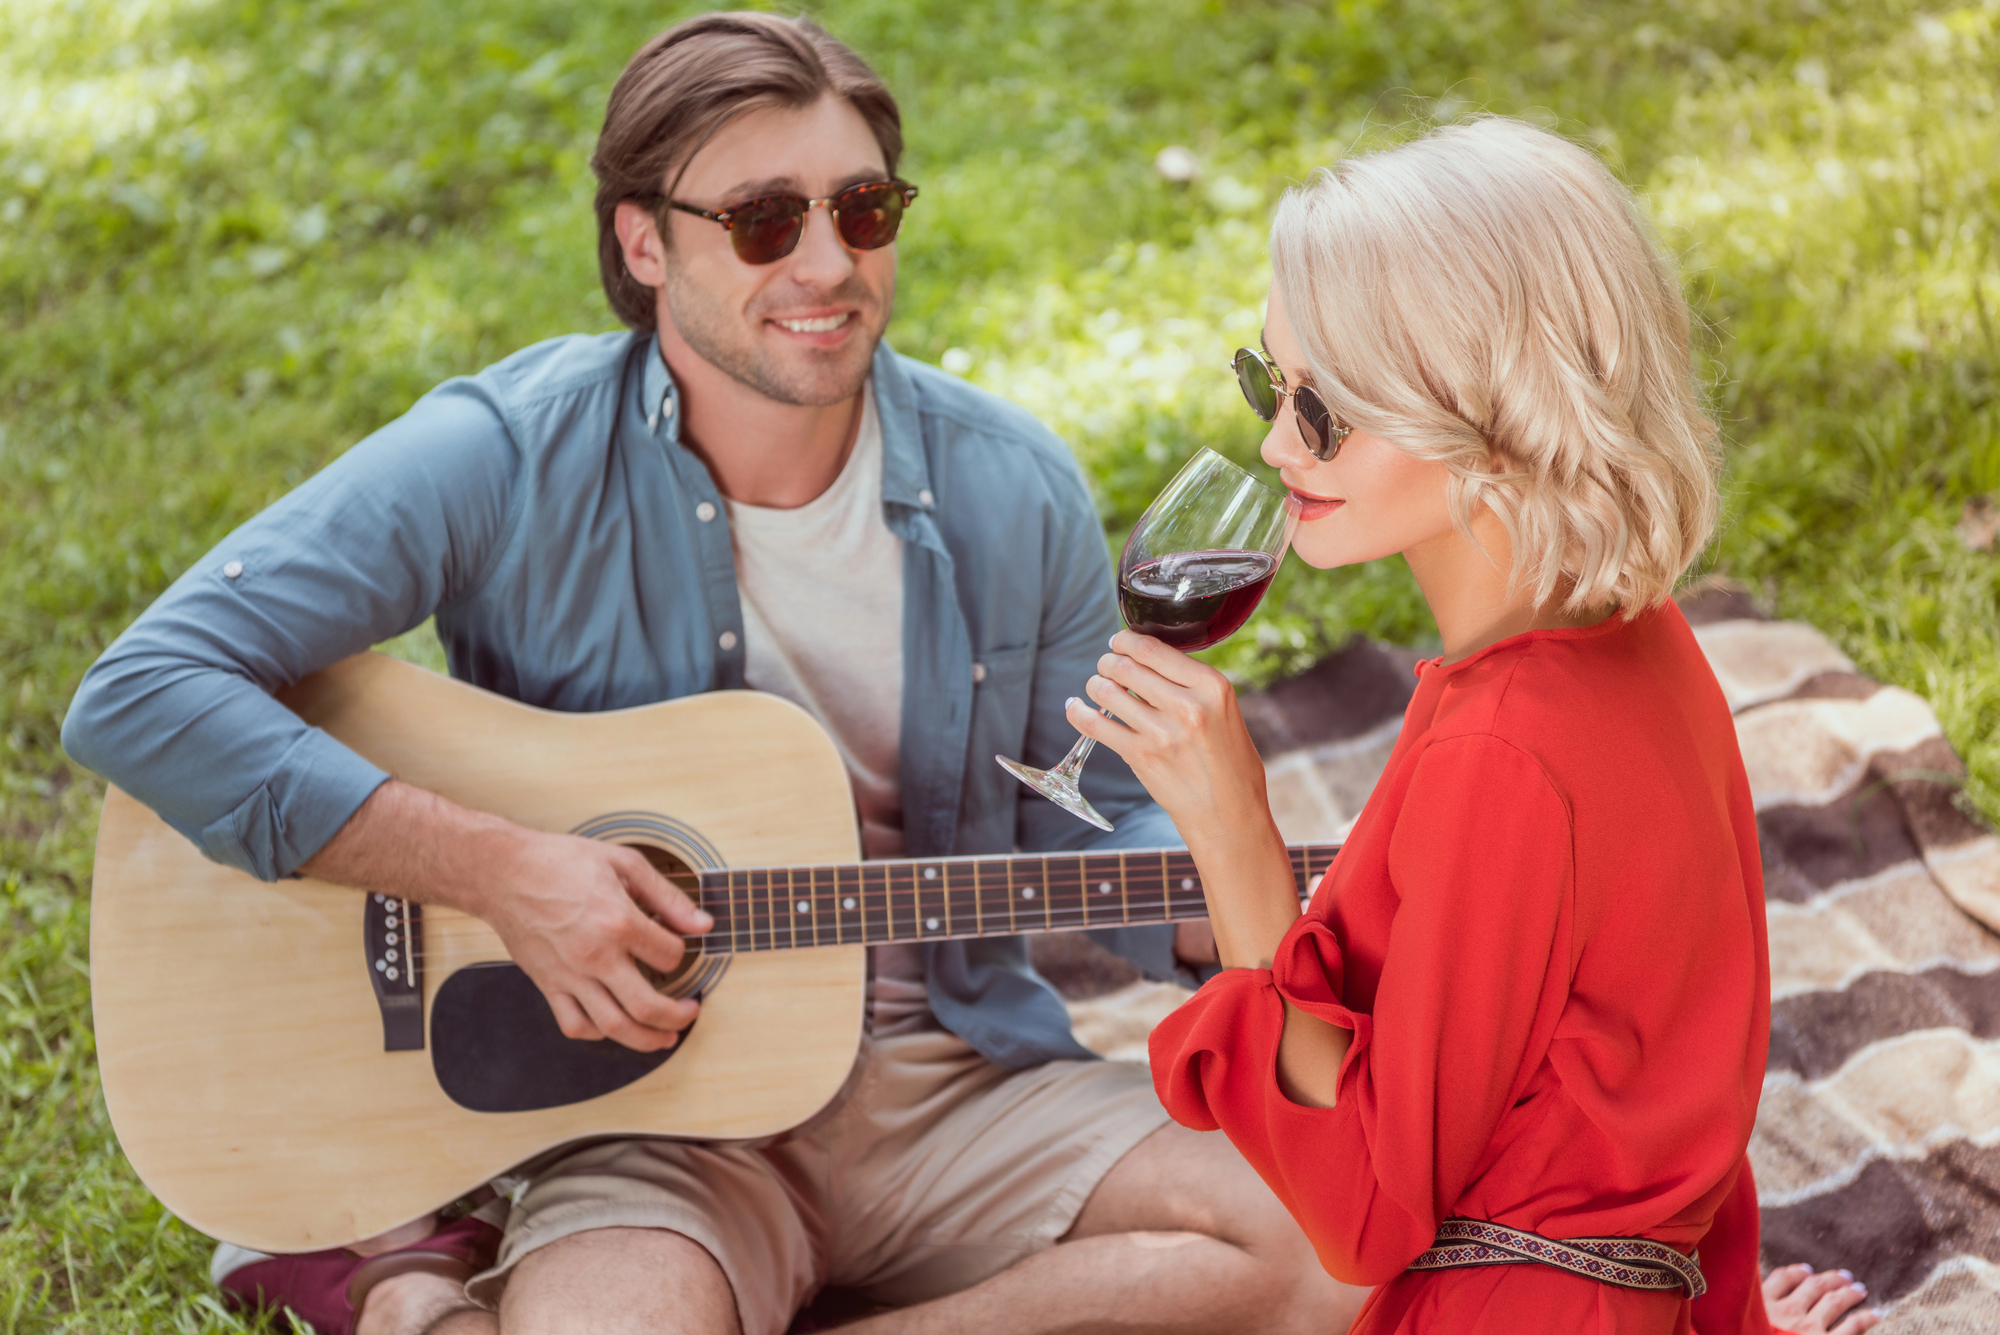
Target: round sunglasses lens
<point x="1255" y="381"/>
<point x="869" y="217"/>
<point x="1315" y="423"/>
<point x="766" y="230"/>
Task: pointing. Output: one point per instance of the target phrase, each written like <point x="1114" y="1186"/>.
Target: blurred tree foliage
<point x="237" y="235"/>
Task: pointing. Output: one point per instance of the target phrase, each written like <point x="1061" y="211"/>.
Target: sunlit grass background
<point x="235" y="236"/>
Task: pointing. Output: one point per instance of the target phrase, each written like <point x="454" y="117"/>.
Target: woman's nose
<point x="1283" y="447"/>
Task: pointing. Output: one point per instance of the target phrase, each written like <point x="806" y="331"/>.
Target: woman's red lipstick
<point x="1313" y="507"/>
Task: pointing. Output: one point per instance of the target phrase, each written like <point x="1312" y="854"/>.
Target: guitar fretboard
<point x="936" y="899"/>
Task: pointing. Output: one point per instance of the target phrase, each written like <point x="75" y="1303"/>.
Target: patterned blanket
<point x="1877" y="1145"/>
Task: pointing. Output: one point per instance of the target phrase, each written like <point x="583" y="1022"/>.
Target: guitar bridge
<point x="391" y="930"/>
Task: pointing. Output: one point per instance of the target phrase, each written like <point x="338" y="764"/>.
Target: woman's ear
<point x="639" y="237"/>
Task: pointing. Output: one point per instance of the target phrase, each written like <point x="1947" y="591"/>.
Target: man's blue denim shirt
<point x="576" y="556"/>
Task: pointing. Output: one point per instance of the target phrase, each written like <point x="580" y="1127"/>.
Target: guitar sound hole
<point x="695" y="973"/>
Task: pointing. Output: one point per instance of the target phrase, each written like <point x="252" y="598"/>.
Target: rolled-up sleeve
<point x="179" y="710"/>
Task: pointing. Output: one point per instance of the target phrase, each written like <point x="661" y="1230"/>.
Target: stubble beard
<point x="720" y="338"/>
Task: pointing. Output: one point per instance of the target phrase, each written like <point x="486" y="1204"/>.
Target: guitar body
<point x="238" y="1028"/>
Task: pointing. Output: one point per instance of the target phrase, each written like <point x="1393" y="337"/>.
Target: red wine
<point x="1194" y="599"/>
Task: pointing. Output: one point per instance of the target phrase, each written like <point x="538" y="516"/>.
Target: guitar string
<point x="1062" y="907"/>
<point x="1062" y="904"/>
<point x="750" y="938"/>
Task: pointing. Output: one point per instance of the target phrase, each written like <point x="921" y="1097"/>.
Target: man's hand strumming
<point x="577" y="915"/>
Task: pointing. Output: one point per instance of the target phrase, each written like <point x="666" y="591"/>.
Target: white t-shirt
<point x="822" y="594"/>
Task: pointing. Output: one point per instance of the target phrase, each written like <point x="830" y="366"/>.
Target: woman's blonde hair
<point x="1490" y="288"/>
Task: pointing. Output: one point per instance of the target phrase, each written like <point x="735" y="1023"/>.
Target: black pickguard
<point x="495" y="1047"/>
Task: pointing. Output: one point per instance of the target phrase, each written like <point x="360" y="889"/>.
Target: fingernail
<point x="1071" y="701"/>
<point x="1845" y="1274"/>
<point x="1803" y="1266"/>
<point x="1859" y="1287"/>
<point x="704" y="917"/>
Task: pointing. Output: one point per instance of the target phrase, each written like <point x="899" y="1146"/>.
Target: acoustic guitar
<point x="300" y="1065"/>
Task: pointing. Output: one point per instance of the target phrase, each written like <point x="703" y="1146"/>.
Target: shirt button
<point x="232" y="569"/>
<point x="704" y="512"/>
<point x="925" y="499"/>
<point x="978" y="673"/>
<point x="727" y="640"/>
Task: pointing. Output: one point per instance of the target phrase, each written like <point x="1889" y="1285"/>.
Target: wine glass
<point x="1193" y="571"/>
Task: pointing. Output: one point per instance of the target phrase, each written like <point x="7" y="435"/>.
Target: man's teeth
<point x="819" y="325"/>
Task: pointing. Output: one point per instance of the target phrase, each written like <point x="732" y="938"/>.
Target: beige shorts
<point x="938" y="1170"/>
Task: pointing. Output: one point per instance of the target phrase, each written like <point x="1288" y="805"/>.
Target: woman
<point x="1533" y="992"/>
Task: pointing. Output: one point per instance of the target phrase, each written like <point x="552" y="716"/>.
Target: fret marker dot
<point x="805" y="907"/>
<point x="1028" y="893"/>
<point x="931" y="923"/>
<point x="930" y="873"/>
<point x="1104" y="887"/>
<point x="848" y="903"/>
<point x="1187" y="882"/>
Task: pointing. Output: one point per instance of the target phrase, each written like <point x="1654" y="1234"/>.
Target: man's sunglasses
<point x="766" y="229"/>
<point x="1263" y="384"/>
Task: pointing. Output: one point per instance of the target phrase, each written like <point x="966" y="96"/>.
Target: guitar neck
<point x="937" y="899"/>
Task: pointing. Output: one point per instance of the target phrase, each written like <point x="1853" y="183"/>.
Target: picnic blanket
<point x="1877" y="1146"/>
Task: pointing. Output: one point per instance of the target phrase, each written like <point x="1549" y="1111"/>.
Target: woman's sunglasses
<point x="1263" y="384"/>
<point x="766" y="229"/>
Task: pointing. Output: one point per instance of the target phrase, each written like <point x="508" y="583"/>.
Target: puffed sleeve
<point x="1479" y="866"/>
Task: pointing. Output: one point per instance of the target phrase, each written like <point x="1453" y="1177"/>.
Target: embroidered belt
<point x="1631" y="1263"/>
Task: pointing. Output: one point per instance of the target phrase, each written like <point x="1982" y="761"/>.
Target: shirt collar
<point x="906" y="475"/>
<point x="657" y="394"/>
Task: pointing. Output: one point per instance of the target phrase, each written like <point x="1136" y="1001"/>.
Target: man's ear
<point x="639" y="237"/>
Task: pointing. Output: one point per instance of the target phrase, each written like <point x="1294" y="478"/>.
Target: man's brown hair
<point x="681" y="88"/>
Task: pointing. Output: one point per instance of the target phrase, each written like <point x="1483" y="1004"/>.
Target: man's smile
<point x="823" y="328"/>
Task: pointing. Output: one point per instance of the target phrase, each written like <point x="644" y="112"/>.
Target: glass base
<point x="1059" y="785"/>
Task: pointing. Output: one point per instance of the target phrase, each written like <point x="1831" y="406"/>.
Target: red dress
<point x="1547" y="934"/>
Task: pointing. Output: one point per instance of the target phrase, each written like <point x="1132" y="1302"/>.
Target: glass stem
<point x="1071" y="767"/>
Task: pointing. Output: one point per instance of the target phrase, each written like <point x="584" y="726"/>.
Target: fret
<point x="1031" y="900"/>
<point x="1090" y="910"/>
<point x="929" y="889"/>
<point x="785" y="909"/>
<point x="739" y="911"/>
<point x="826" y="905"/>
<point x="1057" y="881"/>
<point x="1104" y="887"/>
<point x="847" y="896"/>
<point x="1166" y="883"/>
<point x="877" y="903"/>
<point x="901" y="895"/>
<point x="759" y="895"/>
<point x="712" y="894"/>
<point x="963" y="890"/>
<point x="1143" y="888"/>
<point x="1184" y="893"/>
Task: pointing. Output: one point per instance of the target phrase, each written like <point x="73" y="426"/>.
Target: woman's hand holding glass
<point x="1176" y="722"/>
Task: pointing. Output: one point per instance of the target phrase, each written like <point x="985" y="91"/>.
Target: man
<point x="748" y="489"/>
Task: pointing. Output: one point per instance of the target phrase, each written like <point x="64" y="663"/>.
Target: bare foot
<point x="1804" y="1303"/>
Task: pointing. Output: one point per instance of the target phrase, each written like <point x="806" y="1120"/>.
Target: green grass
<point x="235" y="236"/>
